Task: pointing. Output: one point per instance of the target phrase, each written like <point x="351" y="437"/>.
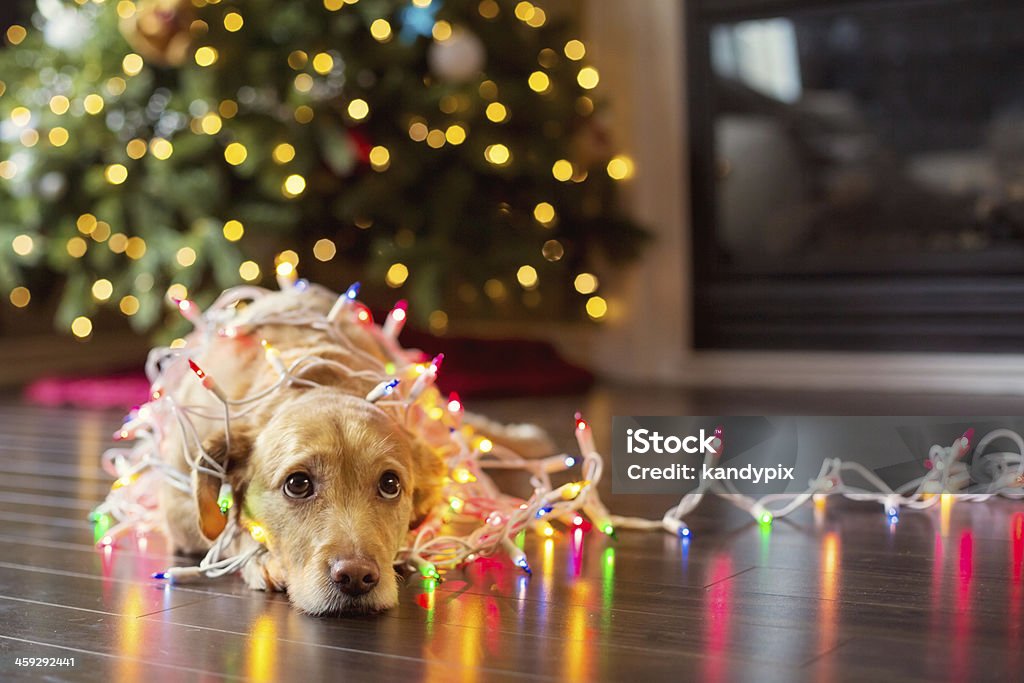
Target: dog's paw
<point x="263" y="573"/>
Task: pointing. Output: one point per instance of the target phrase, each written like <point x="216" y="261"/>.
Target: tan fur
<point x="330" y="433"/>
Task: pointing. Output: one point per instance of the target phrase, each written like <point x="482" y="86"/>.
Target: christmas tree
<point x="449" y="148"/>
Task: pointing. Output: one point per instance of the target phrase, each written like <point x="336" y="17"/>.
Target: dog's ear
<point x="429" y="470"/>
<point x="232" y="453"/>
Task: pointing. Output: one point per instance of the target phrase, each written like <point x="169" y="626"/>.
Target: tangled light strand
<point x="475" y="518"/>
<point x="471" y="499"/>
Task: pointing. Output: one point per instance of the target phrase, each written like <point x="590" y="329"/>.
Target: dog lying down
<point x="336" y="481"/>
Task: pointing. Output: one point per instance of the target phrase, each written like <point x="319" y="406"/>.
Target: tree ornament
<point x="159" y="30"/>
<point x="459" y="58"/>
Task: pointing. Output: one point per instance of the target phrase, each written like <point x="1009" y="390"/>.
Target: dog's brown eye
<point x="298" y="485"/>
<point x="389" y="485"/>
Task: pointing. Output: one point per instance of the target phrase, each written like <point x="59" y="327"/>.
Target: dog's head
<point x="336" y="484"/>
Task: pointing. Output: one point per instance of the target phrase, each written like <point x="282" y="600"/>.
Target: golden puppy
<point x="334" y="481"/>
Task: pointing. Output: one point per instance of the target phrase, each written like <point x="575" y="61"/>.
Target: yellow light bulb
<point x="588" y="78"/>
<point x="539" y="82"/>
<point x="206" y="56"/>
<point x="235" y="154"/>
<point x="455" y="135"/>
<point x="233" y="21"/>
<point x="380" y="29"/>
<point x="116" y="174"/>
<point x="620" y="167"/>
<point x="324" y="249"/>
<point x="294" y="185"/>
<point x="380" y="158"/>
<point x="102" y="289"/>
<point x="93" y="104"/>
<point x="132" y="64"/>
<point x="586" y="283"/>
<point x="597" y="307"/>
<point x="81" y="327"/>
<point x="497" y="154"/>
<point x="527" y="276"/>
<point x="544" y="212"/>
<point x="283" y="153"/>
<point x="575" y="50"/>
<point x="58" y="136"/>
<point x="161" y="149"/>
<point x="22" y="245"/>
<point x="20" y="297"/>
<point x="562" y="170"/>
<point x="249" y="271"/>
<point x="358" y="109"/>
<point x="496" y="112"/>
<point x="233" y="230"/>
<point x="323" y="63"/>
<point x="129" y="305"/>
<point x="59" y="104"/>
<point x="397" y="274"/>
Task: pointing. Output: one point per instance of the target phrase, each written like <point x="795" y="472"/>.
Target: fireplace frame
<point x="900" y="303"/>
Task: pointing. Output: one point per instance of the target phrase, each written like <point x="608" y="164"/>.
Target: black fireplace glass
<point x="858" y="172"/>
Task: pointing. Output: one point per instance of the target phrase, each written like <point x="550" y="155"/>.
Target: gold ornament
<point x="159" y="30"/>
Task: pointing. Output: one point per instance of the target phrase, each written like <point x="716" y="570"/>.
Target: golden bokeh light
<point x="93" y="104"/>
<point x="380" y="29"/>
<point x="575" y="50"/>
<point x="620" y="167"/>
<point x="206" y="56"/>
<point x="81" y="327"/>
<point x="135" y="149"/>
<point x="497" y="154"/>
<point x="233" y="230"/>
<point x="132" y="64"/>
<point x="562" y="170"/>
<point x="323" y="63"/>
<point x="586" y="283"/>
<point x="588" y="78"/>
<point x="597" y="307"/>
<point x="527" y="277"/>
<point x="102" y="289"/>
<point x="16" y="34"/>
<point x="539" y="82"/>
<point x="77" y="247"/>
<point x="249" y="271"/>
<point x="23" y="245"/>
<point x="496" y="112"/>
<point x="186" y="256"/>
<point x="488" y="9"/>
<point x="544" y="212"/>
<point x="129" y="305"/>
<point x="324" y="249"/>
<point x="235" y="154"/>
<point x="283" y="153"/>
<point x="397" y="274"/>
<point x="358" y="109"/>
<point x="136" y="249"/>
<point x="59" y="104"/>
<point x="58" y="136"/>
<point x="380" y="158"/>
<point x="161" y="149"/>
<point x="20" y="297"/>
<point x="116" y="174"/>
<point x="233" y="21"/>
<point x="455" y="135"/>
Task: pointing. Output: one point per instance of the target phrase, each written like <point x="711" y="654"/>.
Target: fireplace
<point x="857" y="174"/>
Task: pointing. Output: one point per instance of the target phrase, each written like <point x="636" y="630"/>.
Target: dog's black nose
<point x="355" y="577"/>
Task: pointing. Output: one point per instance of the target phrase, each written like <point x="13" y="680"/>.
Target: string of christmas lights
<point x="475" y="518"/>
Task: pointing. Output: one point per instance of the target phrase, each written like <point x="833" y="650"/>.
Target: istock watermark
<point x="776" y="454"/>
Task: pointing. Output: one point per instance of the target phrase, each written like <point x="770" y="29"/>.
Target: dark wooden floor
<point x="835" y="594"/>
